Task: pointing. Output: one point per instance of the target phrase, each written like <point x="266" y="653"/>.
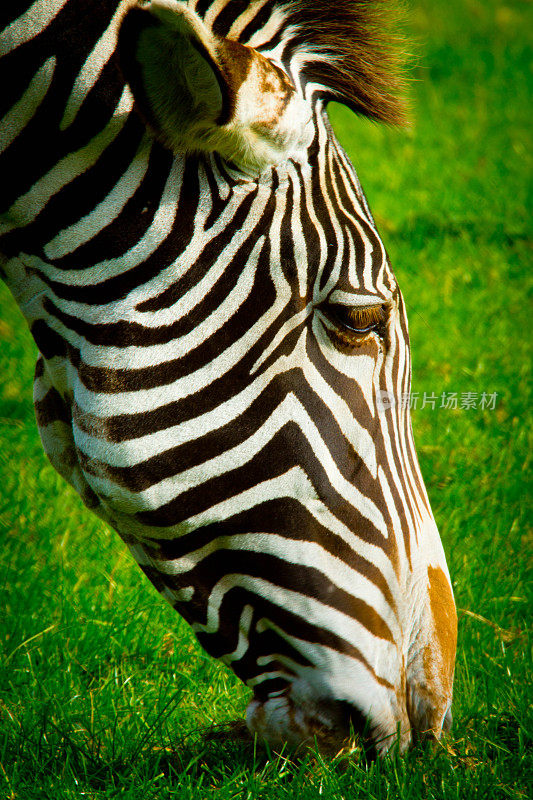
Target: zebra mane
<point x="354" y="50"/>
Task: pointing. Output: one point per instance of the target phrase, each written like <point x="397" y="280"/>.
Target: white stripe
<point x="20" y="114"/>
<point x="93" y="66"/>
<point x="133" y="357"/>
<point x="289" y="410"/>
<point x="357" y="299"/>
<point x="396" y="444"/>
<point x="335" y="674"/>
<point x="30" y="24"/>
<point x="301" y="255"/>
<point x="267" y="676"/>
<point x="244" y="631"/>
<point x="287" y="327"/>
<point x="29" y="205"/>
<point x="319" y="295"/>
<point x="243" y="19"/>
<point x="184" y="386"/>
<point x="352" y="180"/>
<point x="358" y="367"/>
<point x="275" y="488"/>
<point x="136" y="357"/>
<point x="334" y="621"/>
<point x="213" y="11"/>
<point x="86" y="228"/>
<point x="359" y="274"/>
<point x="135" y="451"/>
<point x="350" y="426"/>
<point x="161" y="226"/>
<point x="304" y="553"/>
<point x="267" y="32"/>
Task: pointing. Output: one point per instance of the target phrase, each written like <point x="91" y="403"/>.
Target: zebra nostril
<point x="358" y="727"/>
<point x="352" y="718"/>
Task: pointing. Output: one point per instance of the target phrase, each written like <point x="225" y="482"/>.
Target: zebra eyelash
<point x="357" y="320"/>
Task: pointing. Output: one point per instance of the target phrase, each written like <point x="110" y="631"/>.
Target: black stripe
<point x="286" y="517"/>
<point x="131" y="224"/>
<point x="78" y="197"/>
<point x="71" y="36"/>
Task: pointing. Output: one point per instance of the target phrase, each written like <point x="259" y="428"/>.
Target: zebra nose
<point x="331" y="725"/>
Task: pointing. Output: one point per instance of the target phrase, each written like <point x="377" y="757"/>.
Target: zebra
<point x="223" y="346"/>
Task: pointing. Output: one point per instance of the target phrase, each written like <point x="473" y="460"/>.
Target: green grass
<point x="103" y="690"/>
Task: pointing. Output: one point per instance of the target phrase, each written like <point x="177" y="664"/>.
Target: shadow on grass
<point x="219" y="751"/>
<point x="216" y="756"/>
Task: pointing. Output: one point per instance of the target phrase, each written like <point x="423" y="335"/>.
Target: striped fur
<point x="198" y="383"/>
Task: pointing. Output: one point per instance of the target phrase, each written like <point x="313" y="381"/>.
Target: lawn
<point x="104" y="692"/>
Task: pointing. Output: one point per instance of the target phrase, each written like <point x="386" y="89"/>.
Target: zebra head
<point x="301" y="545"/>
<point x="226" y="355"/>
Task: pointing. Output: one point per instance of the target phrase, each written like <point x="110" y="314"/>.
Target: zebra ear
<point x="201" y="93"/>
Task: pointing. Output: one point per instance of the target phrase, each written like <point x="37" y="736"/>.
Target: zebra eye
<point x="358" y="320"/>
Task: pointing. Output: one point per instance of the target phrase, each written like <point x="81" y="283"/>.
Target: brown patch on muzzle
<point x="445" y="621"/>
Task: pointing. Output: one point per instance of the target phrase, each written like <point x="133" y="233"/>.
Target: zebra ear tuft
<point x="202" y="93"/>
<point x="354" y="52"/>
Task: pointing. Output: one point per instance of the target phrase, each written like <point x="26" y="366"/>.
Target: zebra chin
<point x="295" y="721"/>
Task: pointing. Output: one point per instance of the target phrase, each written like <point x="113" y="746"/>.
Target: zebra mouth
<point x="332" y="726"/>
